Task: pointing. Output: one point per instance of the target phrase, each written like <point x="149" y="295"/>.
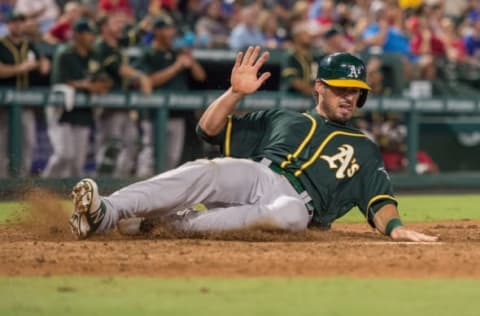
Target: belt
<point x="294" y="182"/>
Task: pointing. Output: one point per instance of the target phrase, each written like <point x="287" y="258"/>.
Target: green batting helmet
<point x="346" y="71"/>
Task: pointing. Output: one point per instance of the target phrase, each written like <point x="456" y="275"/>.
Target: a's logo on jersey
<point x="344" y="162"/>
<point x="93" y="66"/>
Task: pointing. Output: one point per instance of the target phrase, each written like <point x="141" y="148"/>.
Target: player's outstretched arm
<point x="387" y="221"/>
<point x="402" y="233"/>
<point x="244" y="80"/>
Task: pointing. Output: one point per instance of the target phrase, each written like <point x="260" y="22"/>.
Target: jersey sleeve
<point x="377" y="189"/>
<point x="242" y="135"/>
<point x="61" y="68"/>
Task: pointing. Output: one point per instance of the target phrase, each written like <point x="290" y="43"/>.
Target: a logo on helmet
<point x="354" y="71"/>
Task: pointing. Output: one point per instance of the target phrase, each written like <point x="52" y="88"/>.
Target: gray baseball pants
<point x="70" y="147"/>
<point x="175" y="142"/>
<point x="117" y="126"/>
<point x="28" y="142"/>
<point x="253" y="193"/>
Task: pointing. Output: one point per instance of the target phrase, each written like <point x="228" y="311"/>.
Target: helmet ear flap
<point x="362" y="98"/>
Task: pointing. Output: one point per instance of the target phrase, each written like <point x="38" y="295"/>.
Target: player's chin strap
<point x="296" y="184"/>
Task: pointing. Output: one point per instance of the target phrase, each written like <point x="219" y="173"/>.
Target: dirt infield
<point x="43" y="245"/>
<point x="348" y="249"/>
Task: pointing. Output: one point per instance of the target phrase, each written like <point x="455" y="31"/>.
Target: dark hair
<point x="102" y="21"/>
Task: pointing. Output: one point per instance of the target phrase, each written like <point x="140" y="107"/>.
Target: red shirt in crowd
<point x="62" y="31"/>
<point x="437" y="48"/>
<point x="115" y="6"/>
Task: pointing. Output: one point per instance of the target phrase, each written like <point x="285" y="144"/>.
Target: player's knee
<point x="290" y="213"/>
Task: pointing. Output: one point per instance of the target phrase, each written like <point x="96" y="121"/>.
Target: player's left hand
<point x="245" y="78"/>
<point x="402" y="233"/>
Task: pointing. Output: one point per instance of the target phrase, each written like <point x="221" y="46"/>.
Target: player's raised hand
<point x="245" y="78"/>
<point x="402" y="233"/>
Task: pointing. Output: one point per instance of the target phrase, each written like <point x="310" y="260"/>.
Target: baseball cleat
<point x="89" y="209"/>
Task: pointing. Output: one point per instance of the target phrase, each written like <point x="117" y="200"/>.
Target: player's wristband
<point x="392" y="224"/>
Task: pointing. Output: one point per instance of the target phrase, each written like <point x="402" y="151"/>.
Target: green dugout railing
<point x="160" y="103"/>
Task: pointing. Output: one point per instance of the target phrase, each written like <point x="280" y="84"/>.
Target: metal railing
<point x="161" y="103"/>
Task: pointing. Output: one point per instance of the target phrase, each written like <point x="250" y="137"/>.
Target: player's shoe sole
<point x="89" y="210"/>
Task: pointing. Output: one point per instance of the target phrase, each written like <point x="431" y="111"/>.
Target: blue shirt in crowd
<point x="395" y="42"/>
<point x="473" y="46"/>
<point x="242" y="37"/>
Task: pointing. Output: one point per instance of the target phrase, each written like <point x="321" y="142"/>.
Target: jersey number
<point x="344" y="162"/>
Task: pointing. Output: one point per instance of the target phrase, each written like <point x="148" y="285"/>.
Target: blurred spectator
<point x="300" y="70"/>
<point x="472" y="10"/>
<point x="454" y="45"/>
<point x="116" y="129"/>
<point x="454" y="9"/>
<point x="300" y="14"/>
<point x="106" y="7"/>
<point x="44" y="12"/>
<point x="211" y="29"/>
<point x="6" y="7"/>
<point x="76" y="67"/>
<point x="18" y="59"/>
<point x="168" y="70"/>
<point x="326" y="16"/>
<point x="391" y="139"/>
<point x="375" y="77"/>
<point x="472" y="41"/>
<point x="386" y="30"/>
<point x="335" y="41"/>
<point x="386" y="34"/>
<point x="281" y="8"/>
<point x="61" y="31"/>
<point x="426" y="43"/>
<point x="192" y="12"/>
<point x="246" y="33"/>
<point x="274" y="35"/>
<point x="170" y="8"/>
<point x="139" y="8"/>
<point x="425" y="163"/>
<point x="427" y="47"/>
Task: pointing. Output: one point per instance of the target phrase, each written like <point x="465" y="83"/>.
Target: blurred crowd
<point x="84" y="46"/>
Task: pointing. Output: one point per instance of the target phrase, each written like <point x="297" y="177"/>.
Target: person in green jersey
<point x="19" y="58"/>
<point x="117" y="134"/>
<point x="287" y="169"/>
<point x="169" y="69"/>
<point x="300" y="68"/>
<point x="75" y="67"/>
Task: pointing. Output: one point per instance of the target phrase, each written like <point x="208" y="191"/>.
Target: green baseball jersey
<point x="299" y="66"/>
<point x="67" y="66"/>
<point x="111" y="59"/>
<point x="13" y="54"/>
<point x="337" y="164"/>
<point x="153" y="60"/>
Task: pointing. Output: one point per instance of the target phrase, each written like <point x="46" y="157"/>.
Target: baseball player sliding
<point x="282" y="168"/>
